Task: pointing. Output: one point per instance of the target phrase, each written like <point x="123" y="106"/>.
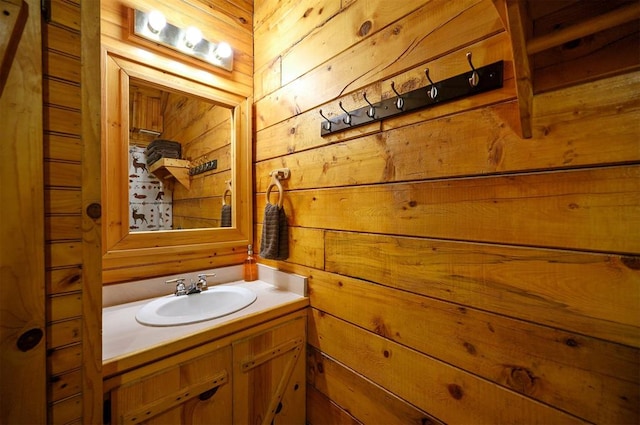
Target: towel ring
<point x="275" y="181"/>
<point x="227" y="192"/>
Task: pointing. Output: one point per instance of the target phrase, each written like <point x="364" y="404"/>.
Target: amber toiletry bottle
<point x="250" y="266"/>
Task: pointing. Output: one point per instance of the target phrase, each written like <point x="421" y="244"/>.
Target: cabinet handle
<point x="153" y="408"/>
<point x="208" y="394"/>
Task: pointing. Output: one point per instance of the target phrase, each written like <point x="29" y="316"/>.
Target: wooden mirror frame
<point x="130" y="256"/>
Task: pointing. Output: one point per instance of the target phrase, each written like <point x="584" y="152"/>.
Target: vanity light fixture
<point x="192" y="36"/>
<point x="156" y="21"/>
<point x="154" y="27"/>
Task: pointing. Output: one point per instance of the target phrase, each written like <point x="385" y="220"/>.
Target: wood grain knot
<point x="521" y="379"/>
<point x="365" y="28"/>
<point x="386" y="354"/>
<point x="380" y="328"/>
<point x="456" y="391"/>
<point x="471" y="349"/>
<point x="307" y="12"/>
<point x="571" y="342"/>
<point x="29" y="339"/>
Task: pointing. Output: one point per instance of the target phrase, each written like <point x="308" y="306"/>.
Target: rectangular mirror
<point x="179" y="160"/>
<point x="168" y="175"/>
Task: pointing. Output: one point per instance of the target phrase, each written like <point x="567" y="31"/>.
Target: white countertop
<point x="123" y="337"/>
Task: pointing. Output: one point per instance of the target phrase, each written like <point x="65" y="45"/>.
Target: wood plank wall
<point x="23" y="392"/>
<point x="458" y="273"/>
<point x="63" y="206"/>
<point x="204" y="129"/>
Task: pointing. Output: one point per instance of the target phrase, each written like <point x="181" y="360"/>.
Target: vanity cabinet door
<point x="269" y="375"/>
<point x="198" y="391"/>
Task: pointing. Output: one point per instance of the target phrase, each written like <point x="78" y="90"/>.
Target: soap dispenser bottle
<point x="250" y="266"/>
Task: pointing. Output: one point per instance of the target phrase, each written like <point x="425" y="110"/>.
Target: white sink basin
<point x="215" y="302"/>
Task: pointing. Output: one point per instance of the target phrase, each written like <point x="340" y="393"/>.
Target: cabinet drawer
<point x="197" y="388"/>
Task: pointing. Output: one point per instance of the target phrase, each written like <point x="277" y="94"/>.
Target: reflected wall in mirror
<point x="179" y="160"/>
<point x="194" y="115"/>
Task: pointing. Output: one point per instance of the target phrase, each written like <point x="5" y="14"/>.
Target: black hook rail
<point x="478" y="80"/>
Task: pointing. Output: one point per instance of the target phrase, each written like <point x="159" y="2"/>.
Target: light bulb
<point x="192" y="37"/>
<point x="223" y="50"/>
<point x="156" y="21"/>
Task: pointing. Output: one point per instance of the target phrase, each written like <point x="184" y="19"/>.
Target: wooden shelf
<point x="520" y="19"/>
<point x="167" y="168"/>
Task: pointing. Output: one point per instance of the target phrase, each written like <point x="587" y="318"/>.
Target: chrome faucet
<point x="181" y="289"/>
<point x="202" y="281"/>
<point x="194" y="287"/>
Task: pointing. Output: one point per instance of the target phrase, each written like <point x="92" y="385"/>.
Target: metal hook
<point x="400" y="101"/>
<point x="433" y="91"/>
<point x="475" y="78"/>
<point x="327" y="125"/>
<point x="348" y="119"/>
<point x="371" y="113"/>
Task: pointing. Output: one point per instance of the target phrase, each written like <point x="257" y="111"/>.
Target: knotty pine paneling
<point x="61" y="93"/>
<point x="449" y="393"/>
<point x="63" y="280"/>
<point x="62" y="201"/>
<point x="531" y="284"/>
<point x="204" y="130"/>
<point x="534" y="360"/>
<point x="321" y="410"/>
<point x="62" y="40"/>
<point x="65" y="385"/>
<point x="289" y="24"/>
<point x="359" y="396"/>
<point x="61" y="66"/>
<point x="66" y="411"/>
<point x="345" y="30"/>
<point x="580" y="209"/>
<point x="64" y="333"/>
<point x="63" y="359"/>
<point x="416" y="39"/>
<point x="63" y="147"/>
<point x="472" y="274"/>
<point x="62" y="228"/>
<point x="63" y="204"/>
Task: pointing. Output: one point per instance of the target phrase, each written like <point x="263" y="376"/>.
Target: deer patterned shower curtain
<point x="149" y="200"/>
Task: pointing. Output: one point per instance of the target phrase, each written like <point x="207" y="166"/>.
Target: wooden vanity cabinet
<point x="197" y="391"/>
<point x="255" y="376"/>
<point x="269" y="376"/>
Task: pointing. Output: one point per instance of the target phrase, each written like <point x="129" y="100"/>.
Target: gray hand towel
<point x="225" y="219"/>
<point x="275" y="234"/>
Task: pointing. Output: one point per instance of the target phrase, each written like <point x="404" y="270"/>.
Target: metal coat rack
<point x="478" y="80"/>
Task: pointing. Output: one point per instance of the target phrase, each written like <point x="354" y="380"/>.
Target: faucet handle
<point x="181" y="289"/>
<point x="202" y="280"/>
